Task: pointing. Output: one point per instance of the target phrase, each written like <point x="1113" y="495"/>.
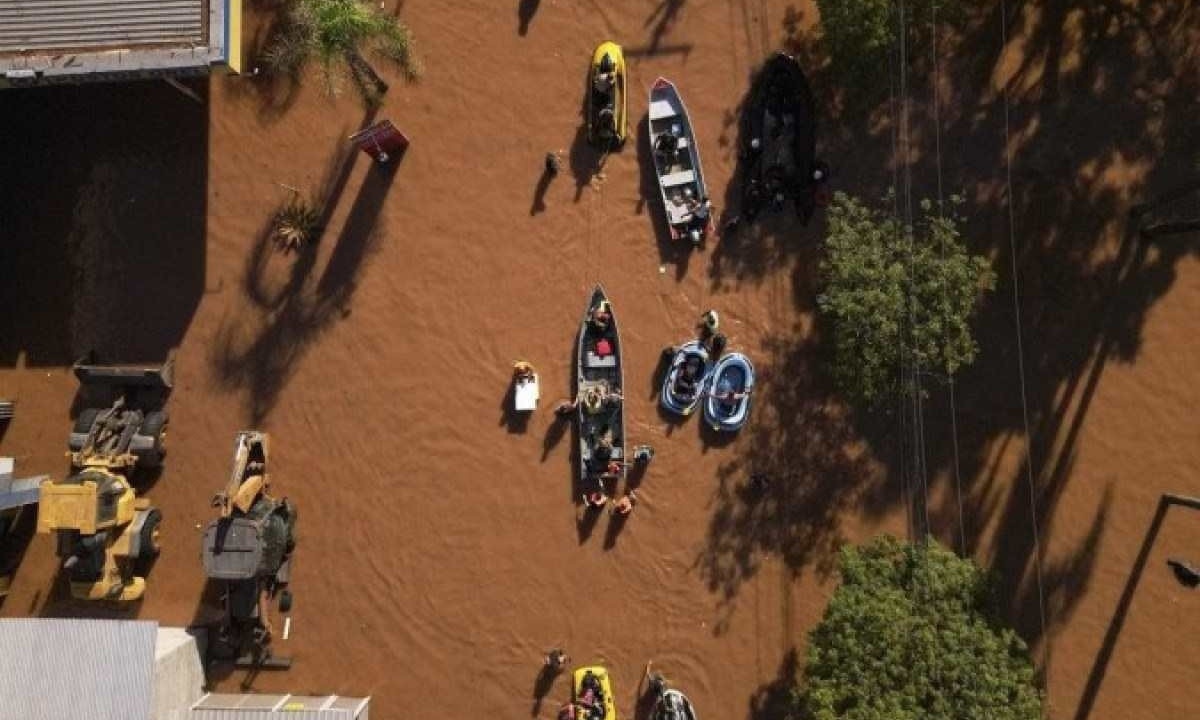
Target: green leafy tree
<point x="912" y="634"/>
<point x="895" y="297"/>
<point x="858" y="35"/>
<point x="339" y="34"/>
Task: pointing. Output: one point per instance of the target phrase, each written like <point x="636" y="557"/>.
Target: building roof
<point x="55" y="668"/>
<point x="217" y="706"/>
<point x="69" y="40"/>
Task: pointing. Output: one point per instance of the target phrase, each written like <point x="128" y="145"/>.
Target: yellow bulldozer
<point x="105" y="532"/>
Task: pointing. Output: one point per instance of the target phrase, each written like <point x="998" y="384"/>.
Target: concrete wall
<point x="178" y="672"/>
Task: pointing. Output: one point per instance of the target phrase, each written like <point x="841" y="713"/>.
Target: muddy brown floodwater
<point x="440" y="552"/>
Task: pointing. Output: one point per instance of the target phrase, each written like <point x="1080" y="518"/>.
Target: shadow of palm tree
<point x="662" y="19"/>
<point x="261" y="359"/>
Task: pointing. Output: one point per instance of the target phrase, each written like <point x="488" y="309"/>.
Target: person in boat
<point x="688" y="380"/>
<point x="698" y="223"/>
<point x="600" y="316"/>
<point x="592" y="691"/>
<point x="605" y="442"/>
<point x="666" y="146"/>
<point x="523" y="372"/>
<point x="603" y="85"/>
<point x="595" y="399"/>
<point x="607" y="122"/>
<point x="730" y="398"/>
<point x="606" y="78"/>
<point x="600" y="398"/>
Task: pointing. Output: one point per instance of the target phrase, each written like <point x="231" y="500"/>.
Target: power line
<point x="937" y="138"/>
<point x="914" y="370"/>
<point x="1016" y="294"/>
<point x="893" y="135"/>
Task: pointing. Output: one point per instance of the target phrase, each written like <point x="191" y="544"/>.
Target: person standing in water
<point x="553" y="164"/>
<point x="624" y="506"/>
<point x="556" y="660"/>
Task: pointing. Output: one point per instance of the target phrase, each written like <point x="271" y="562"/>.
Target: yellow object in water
<point x="610" y="707"/>
<point x="606" y="116"/>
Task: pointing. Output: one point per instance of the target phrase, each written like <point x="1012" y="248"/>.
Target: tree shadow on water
<point x="662" y="19"/>
<point x="274" y="92"/>
<point x="819" y="469"/>
<point x="1087" y="283"/>
<point x="526" y="9"/>
<point x="776" y="700"/>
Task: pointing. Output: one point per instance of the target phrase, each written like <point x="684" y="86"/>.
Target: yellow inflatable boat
<point x="593" y="694"/>
<point x="606" y="117"/>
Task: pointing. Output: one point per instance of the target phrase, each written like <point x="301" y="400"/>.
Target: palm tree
<point x="339" y="33"/>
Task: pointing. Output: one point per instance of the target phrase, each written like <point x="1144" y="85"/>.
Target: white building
<point x="54" y="669"/>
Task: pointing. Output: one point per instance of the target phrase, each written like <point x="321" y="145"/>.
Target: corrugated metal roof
<point x="219" y="706"/>
<point x="34" y="25"/>
<point x="55" y="669"/>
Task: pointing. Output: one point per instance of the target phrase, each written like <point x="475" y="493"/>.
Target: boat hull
<point x="595" y="370"/>
<point x="669" y="397"/>
<point x="679" y="174"/>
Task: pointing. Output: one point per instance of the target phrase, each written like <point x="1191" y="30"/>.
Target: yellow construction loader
<point x="105" y="532"/>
